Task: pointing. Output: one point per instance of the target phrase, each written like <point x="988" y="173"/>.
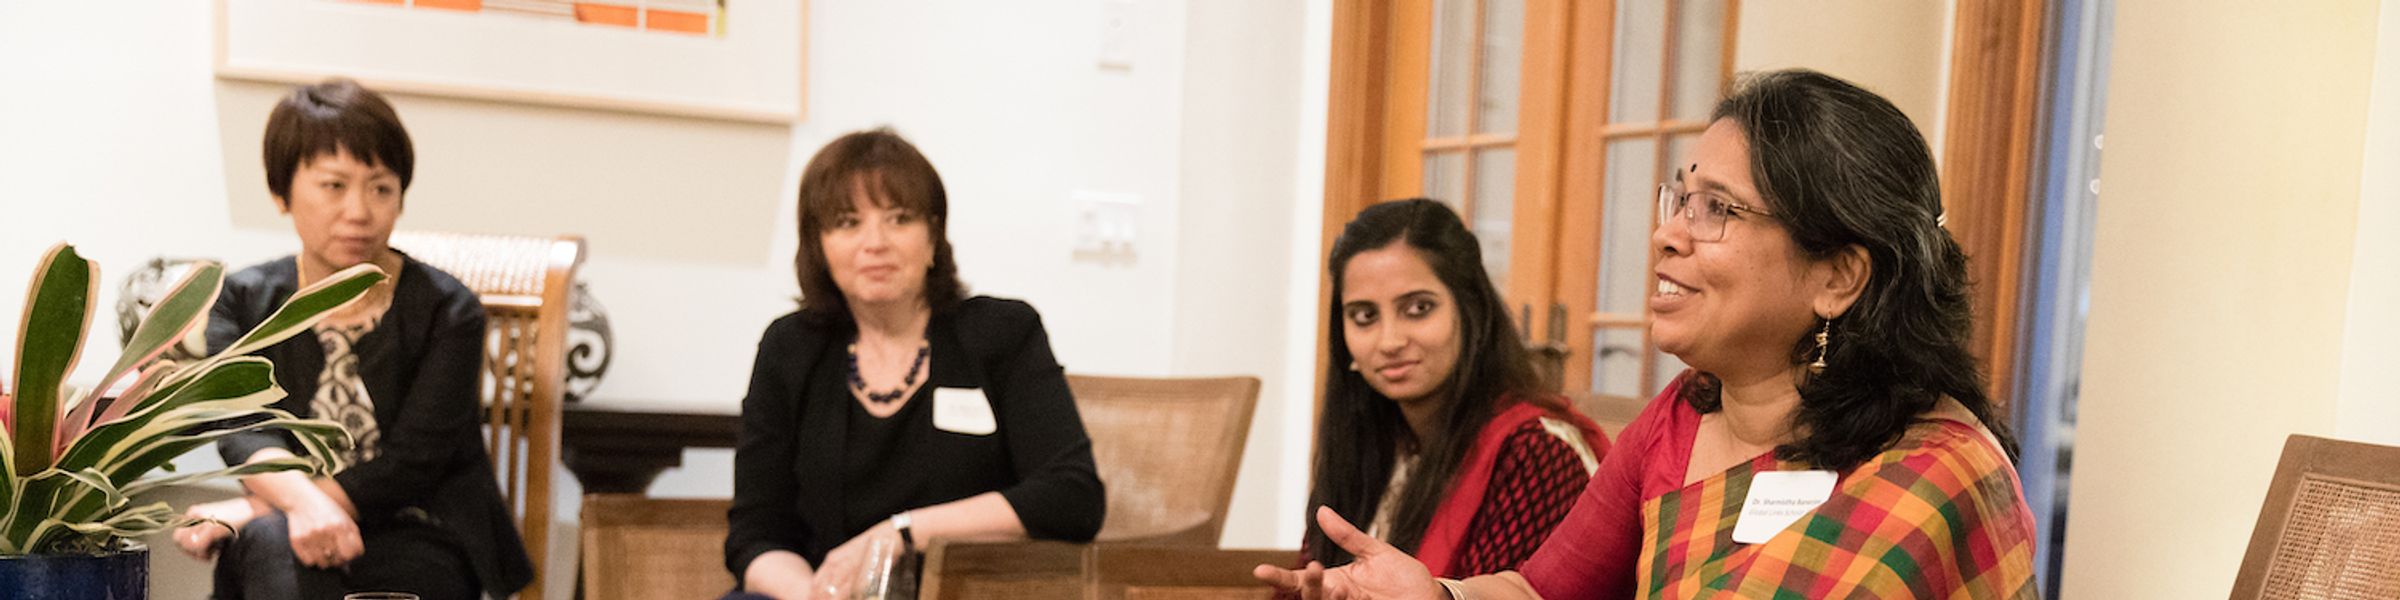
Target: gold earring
<point x="1822" y="347"/>
<point x="1354" y="365"/>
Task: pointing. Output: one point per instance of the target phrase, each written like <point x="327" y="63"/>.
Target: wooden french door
<point x="1634" y="117"/>
<point x="1548" y="125"/>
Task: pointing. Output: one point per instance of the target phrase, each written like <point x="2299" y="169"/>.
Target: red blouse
<point x="1649" y="459"/>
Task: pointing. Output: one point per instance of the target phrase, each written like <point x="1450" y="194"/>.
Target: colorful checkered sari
<point x="1937" y="516"/>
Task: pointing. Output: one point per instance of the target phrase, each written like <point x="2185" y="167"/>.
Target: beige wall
<point x="634" y="185"/>
<point x="2369" y="408"/>
<point x="2222" y="255"/>
<point x="1897" y="49"/>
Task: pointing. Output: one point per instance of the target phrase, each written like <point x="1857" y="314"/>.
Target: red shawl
<point x="1448" y="529"/>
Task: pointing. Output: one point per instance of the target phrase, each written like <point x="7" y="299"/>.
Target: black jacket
<point x="790" y="465"/>
<point x="422" y="367"/>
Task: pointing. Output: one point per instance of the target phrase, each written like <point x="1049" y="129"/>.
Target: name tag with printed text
<point x="963" y="410"/>
<point x="1777" y="499"/>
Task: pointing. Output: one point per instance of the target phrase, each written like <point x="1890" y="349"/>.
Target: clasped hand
<point x="323" y="535"/>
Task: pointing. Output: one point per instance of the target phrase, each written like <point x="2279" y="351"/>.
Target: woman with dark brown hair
<point x="892" y="409"/>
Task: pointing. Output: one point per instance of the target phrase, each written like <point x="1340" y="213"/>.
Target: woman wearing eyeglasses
<point x="1832" y="439"/>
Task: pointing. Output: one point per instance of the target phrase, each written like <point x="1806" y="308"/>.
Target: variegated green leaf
<point x="91" y="496"/>
<point x="83" y="537"/>
<point x="8" y="475"/>
<point x="130" y="523"/>
<point x="157" y="450"/>
<point x="42" y="497"/>
<point x="306" y="307"/>
<point x="142" y="386"/>
<point x="49" y="340"/>
<point x="247" y="377"/>
<point x="79" y="403"/>
<point x="287" y="463"/>
<point x="172" y="318"/>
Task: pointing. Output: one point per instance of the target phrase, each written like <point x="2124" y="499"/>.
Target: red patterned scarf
<point x="1938" y="516"/>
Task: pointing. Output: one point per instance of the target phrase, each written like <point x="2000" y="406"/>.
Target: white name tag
<point x="1777" y="499"/>
<point x="963" y="410"/>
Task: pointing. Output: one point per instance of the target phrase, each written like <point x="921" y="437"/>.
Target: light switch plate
<point x="1106" y="224"/>
<point x="1116" y="34"/>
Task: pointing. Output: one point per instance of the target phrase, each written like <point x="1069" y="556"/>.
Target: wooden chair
<point x="1168" y="450"/>
<point x="636" y="547"/>
<point x="2330" y="527"/>
<point x="524" y="283"/>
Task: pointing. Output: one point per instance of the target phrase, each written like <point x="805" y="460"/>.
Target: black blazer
<point x="421" y="365"/>
<point x="789" y="466"/>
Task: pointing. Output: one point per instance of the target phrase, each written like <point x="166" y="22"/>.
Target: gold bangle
<point x="1456" y="588"/>
<point x="230" y="531"/>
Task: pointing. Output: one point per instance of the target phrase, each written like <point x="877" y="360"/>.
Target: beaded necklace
<point x="859" y="383"/>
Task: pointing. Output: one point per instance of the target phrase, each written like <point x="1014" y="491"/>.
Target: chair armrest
<point x="1188" y="530"/>
<point x="1028" y="569"/>
<point x="1183" y="572"/>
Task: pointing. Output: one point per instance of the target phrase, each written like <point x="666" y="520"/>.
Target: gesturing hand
<point x="1376" y="570"/>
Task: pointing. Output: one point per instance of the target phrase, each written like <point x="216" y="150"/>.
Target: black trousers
<point x="405" y="557"/>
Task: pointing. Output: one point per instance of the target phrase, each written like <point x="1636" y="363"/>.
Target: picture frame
<point x="748" y="67"/>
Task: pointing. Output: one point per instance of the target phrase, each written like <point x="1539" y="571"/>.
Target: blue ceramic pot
<point x="123" y="575"/>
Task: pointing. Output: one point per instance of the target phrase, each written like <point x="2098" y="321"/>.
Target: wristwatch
<point x="901" y="523"/>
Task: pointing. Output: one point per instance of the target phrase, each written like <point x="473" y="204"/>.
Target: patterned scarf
<point x="1937" y="516"/>
<point x="342" y="394"/>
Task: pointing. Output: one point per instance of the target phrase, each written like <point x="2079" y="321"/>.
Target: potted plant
<point x="72" y="459"/>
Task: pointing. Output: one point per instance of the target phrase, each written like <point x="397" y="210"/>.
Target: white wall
<point x="2368" y="408"/>
<point x="1304" y="275"/>
<point x="114" y="135"/>
<point x="1241" y="108"/>
<point x="1900" y="50"/>
<point x="2221" y="276"/>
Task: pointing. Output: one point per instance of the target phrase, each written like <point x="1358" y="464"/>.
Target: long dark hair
<point x="892" y="171"/>
<point x="1360" y="432"/>
<point x="1841" y="166"/>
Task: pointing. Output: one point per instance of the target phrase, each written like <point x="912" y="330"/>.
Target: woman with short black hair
<point x="418" y="508"/>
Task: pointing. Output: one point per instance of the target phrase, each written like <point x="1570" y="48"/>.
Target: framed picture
<point x="720" y="59"/>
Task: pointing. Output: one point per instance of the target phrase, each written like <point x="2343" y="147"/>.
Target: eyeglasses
<point x="1704" y="213"/>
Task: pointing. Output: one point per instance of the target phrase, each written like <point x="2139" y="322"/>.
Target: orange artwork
<point x="690" y="17"/>
<point x="465" y="5"/>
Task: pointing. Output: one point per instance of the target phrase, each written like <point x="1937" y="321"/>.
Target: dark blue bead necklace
<point x="859" y="384"/>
